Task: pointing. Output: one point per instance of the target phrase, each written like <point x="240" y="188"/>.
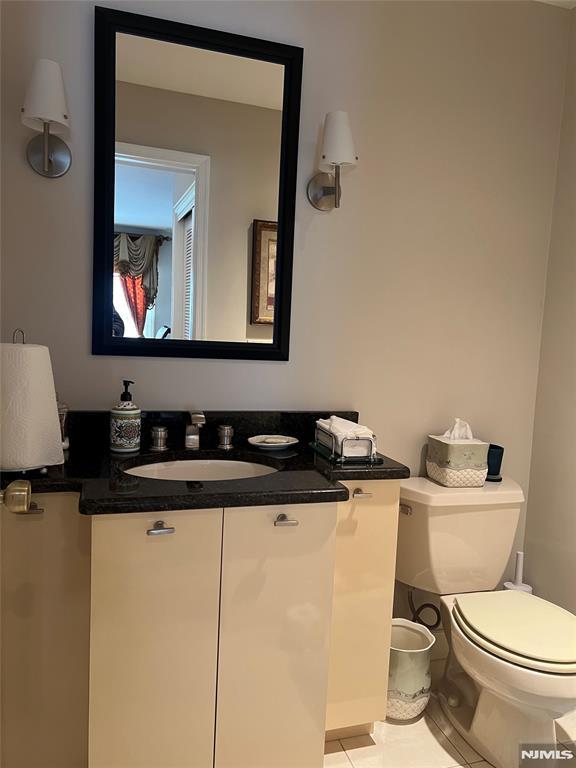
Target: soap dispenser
<point x="125" y="423"/>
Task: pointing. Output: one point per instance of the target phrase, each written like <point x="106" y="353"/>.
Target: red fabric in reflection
<point x="136" y="298"/>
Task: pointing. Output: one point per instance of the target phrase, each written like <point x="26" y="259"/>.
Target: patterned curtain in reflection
<point x="136" y="298"/>
<point x="136" y="260"/>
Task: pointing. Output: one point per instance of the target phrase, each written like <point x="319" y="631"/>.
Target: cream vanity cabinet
<point x="209" y="640"/>
<point x="366" y="535"/>
<point x="45" y="618"/>
<point x="154" y="639"/>
<point x="274" y="636"/>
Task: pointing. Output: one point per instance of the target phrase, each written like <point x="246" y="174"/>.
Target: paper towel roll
<point x="29" y="427"/>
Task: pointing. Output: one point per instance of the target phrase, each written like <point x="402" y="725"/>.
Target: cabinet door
<point x="362" y="616"/>
<point x="45" y="571"/>
<point x="154" y="638"/>
<point x="276" y="602"/>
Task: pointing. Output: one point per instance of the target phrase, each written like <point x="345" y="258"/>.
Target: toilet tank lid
<point x="424" y="491"/>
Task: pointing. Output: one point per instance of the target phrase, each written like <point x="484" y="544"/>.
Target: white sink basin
<point x="201" y="469"/>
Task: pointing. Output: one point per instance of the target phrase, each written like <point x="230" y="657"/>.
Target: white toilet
<point x="510" y="678"/>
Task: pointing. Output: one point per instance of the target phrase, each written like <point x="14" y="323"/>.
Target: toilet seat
<point x="520" y="628"/>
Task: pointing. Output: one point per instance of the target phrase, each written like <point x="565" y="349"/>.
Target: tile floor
<point x="430" y="742"/>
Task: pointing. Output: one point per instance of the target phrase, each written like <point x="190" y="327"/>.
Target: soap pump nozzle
<point x="126" y="396"/>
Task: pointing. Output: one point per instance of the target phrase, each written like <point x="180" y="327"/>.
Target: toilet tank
<point x="454" y="540"/>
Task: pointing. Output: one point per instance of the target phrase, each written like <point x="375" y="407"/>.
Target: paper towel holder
<point x="17" y="498"/>
<point x="34" y="443"/>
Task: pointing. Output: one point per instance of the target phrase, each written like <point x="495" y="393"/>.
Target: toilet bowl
<point x="511" y="669"/>
<point x="503" y="687"/>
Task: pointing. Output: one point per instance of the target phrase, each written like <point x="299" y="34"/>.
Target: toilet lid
<point x="520" y="628"/>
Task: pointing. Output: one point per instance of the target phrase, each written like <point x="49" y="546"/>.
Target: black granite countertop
<point x="99" y="476"/>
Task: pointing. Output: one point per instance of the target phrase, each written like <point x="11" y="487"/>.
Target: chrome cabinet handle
<point x="284" y="520"/>
<point x="160" y="529"/>
<point x="358" y="493"/>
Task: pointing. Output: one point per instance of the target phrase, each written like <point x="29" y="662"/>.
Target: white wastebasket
<point x="409" y="676"/>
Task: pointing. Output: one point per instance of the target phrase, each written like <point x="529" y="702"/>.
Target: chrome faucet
<point x="192" y="439"/>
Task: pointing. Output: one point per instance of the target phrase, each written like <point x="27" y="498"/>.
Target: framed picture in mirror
<point x="264" y="250"/>
<point x="196" y="144"/>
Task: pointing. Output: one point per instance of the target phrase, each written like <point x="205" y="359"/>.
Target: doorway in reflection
<point x="158" y="290"/>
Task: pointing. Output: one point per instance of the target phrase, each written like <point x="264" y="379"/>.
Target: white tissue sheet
<point x="341" y="429"/>
<point x="29" y="427"/>
<point x="460" y="431"/>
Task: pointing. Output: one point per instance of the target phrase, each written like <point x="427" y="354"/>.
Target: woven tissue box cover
<point x="457" y="463"/>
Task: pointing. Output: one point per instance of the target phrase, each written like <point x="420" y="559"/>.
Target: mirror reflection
<point x="197" y="158"/>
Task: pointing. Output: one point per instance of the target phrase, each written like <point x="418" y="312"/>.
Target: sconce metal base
<point x="59" y="156"/>
<point x="322" y="191"/>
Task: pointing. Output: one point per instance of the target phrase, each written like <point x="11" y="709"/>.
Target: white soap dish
<point x="272" y="442"/>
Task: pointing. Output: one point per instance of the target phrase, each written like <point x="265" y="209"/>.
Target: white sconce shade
<point x="338" y="145"/>
<point x="45" y="110"/>
<point x="45" y="100"/>
<point x="324" y="189"/>
<point x="31" y="436"/>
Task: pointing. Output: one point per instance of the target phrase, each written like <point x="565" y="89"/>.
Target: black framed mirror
<point x="196" y="147"/>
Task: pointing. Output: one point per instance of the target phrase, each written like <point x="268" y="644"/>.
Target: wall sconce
<point x="324" y="190"/>
<point x="45" y="110"/>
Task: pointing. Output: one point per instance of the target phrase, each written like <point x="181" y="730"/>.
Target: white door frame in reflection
<point x="184" y="162"/>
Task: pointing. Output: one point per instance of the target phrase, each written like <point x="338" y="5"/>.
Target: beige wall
<point x="421" y="298"/>
<point x="551" y="516"/>
<point x="243" y="143"/>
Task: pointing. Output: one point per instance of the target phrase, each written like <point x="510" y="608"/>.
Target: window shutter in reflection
<point x="189" y="275"/>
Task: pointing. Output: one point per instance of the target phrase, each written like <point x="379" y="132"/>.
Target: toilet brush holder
<point x="518" y="584"/>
